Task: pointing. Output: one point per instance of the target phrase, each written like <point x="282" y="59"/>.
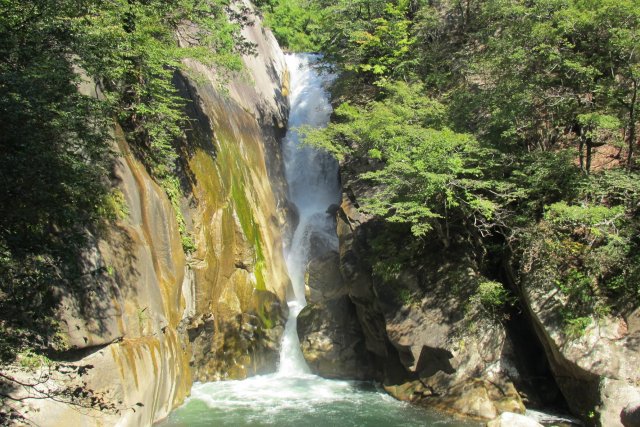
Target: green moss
<point x="142" y="317"/>
<point x="30" y="360"/>
<point x="249" y="227"/>
<point x="171" y="186"/>
<point x="223" y="180"/>
<point x="265" y="319"/>
<point x="259" y="273"/>
<point x="114" y="206"/>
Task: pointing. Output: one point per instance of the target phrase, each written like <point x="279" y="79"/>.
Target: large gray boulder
<point x="332" y="342"/>
<point x="509" y="419"/>
<point x="323" y="278"/>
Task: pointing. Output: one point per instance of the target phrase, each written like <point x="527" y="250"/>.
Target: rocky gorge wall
<point x="413" y="319"/>
<point x="151" y="319"/>
<point x="596" y="370"/>
<point x="411" y="328"/>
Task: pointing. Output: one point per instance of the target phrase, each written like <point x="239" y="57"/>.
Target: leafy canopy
<point x="422" y="170"/>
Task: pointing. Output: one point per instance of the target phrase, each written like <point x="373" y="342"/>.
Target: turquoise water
<point x="302" y="401"/>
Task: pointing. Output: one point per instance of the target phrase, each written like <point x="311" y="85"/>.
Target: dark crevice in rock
<point x="78" y="354"/>
<point x="544" y="381"/>
<point x="536" y="383"/>
<point x="433" y="360"/>
<point x="242" y="266"/>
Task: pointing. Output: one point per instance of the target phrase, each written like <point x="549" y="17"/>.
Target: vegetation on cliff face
<point x="504" y="124"/>
<point x="426" y="173"/>
<point x="57" y="160"/>
<point x="293" y="23"/>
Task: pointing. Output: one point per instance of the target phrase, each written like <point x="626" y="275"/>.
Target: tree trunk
<point x="589" y="144"/>
<point x="442" y="234"/>
<point x="631" y="134"/>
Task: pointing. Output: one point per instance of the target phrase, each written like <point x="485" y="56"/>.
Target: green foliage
<point x="371" y="38"/>
<point x="382" y="49"/>
<point x="294" y="23"/>
<point x="589" y="249"/>
<point x="599" y="121"/>
<point x="489" y="122"/>
<point x="577" y="326"/>
<point x="424" y="171"/>
<point x="549" y="67"/>
<point x="32" y="361"/>
<point x="391" y="252"/>
<point x="492" y="295"/>
<point x="55" y="164"/>
<point x="114" y="206"/>
<point x="491" y="298"/>
<point x="537" y="179"/>
<point x="598" y="221"/>
<point x="518" y="74"/>
<point x="133" y="50"/>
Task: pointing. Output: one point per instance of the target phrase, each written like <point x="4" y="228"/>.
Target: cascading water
<point x="292" y="396"/>
<point x="312" y="177"/>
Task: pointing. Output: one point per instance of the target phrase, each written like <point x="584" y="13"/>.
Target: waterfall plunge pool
<point x="300" y="401"/>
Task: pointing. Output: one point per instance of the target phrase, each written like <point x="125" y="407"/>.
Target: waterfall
<point x="312" y="177"/>
<point x="293" y="397"/>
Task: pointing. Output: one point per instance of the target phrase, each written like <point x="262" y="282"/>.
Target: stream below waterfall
<point x="292" y="396"/>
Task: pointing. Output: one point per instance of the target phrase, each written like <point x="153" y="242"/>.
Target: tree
<point x="371" y="38"/>
<point x="425" y="174"/>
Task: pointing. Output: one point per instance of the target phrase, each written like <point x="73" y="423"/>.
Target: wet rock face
<point x="330" y="336"/>
<point x="430" y="344"/>
<point x="323" y="278"/>
<point x="331" y="340"/>
<point x="235" y="348"/>
<point x="597" y="371"/>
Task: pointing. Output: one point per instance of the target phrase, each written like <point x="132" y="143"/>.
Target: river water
<point x="292" y="396"/>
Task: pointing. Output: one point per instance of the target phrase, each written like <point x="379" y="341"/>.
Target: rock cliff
<point x="423" y="338"/>
<point x="151" y="318"/>
<point x="597" y="368"/>
<point x="417" y="307"/>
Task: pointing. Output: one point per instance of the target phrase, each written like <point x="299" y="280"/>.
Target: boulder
<point x="596" y="370"/>
<point x="509" y="419"/>
<point x="332" y="342"/>
<point x="630" y="416"/>
<point x="324" y="279"/>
